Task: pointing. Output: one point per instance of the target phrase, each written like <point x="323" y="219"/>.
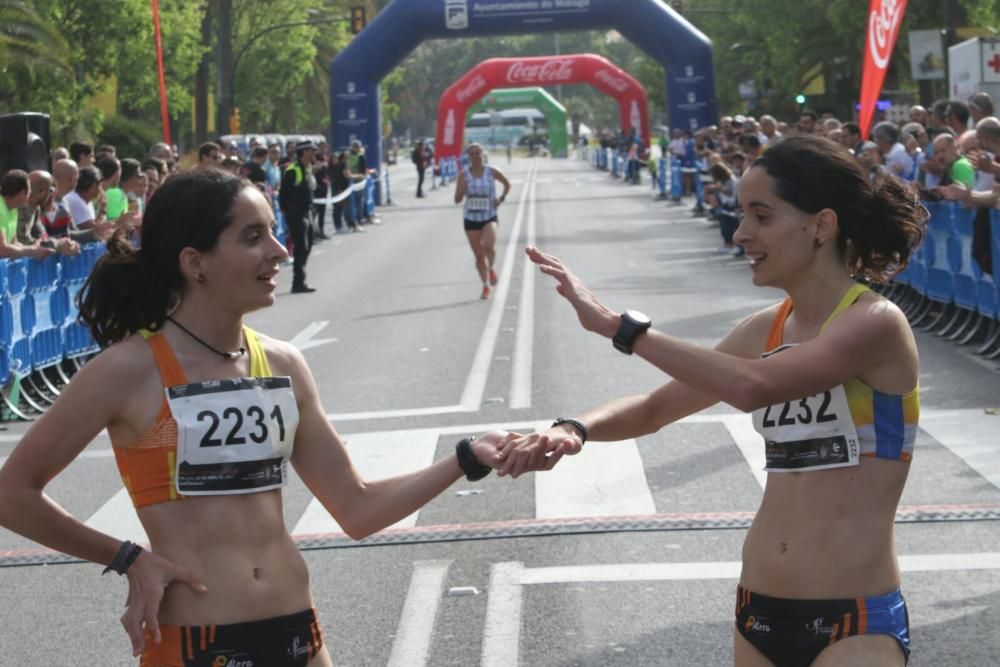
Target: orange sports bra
<point x="148" y="466"/>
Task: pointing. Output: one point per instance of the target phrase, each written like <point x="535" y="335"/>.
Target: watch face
<point x="637" y="317"/>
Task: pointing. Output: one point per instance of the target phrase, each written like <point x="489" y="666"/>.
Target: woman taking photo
<point x="204" y="414"/>
<point x="830" y="376"/>
<point x="477" y="186"/>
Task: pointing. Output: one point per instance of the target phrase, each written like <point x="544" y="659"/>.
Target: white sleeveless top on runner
<point x="480" y="195"/>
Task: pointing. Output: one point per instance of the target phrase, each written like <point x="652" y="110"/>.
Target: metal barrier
<point x="41" y="343"/>
<point x="944" y="290"/>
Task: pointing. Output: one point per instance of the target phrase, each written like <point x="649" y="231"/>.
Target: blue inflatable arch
<point x="684" y="52"/>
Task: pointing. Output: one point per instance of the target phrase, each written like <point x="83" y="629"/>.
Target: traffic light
<point x="234" y="122"/>
<point x="358" y="19"/>
<point x="800" y="99"/>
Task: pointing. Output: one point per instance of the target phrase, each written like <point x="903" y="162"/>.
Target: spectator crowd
<point x="949" y="151"/>
<point x="92" y="193"/>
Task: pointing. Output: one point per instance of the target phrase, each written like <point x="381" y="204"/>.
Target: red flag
<point x="884" y="19"/>
<point x="164" y="115"/>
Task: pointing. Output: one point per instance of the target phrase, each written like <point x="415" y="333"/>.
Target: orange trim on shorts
<point x="862" y="616"/>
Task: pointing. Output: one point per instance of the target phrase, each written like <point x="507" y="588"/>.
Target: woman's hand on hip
<point x="148" y="577"/>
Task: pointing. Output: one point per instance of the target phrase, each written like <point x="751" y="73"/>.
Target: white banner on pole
<point x="926" y="54"/>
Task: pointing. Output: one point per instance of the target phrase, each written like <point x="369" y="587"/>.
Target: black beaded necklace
<point x="230" y="356"/>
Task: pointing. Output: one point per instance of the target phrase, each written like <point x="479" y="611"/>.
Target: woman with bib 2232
<point x="830" y="376"/>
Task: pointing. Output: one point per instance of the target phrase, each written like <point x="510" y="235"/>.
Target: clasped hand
<point x="514" y="454"/>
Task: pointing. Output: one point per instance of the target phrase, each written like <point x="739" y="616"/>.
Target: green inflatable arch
<point x="537" y="98"/>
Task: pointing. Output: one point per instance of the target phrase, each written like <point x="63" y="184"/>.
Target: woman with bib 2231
<point x="204" y="414"/>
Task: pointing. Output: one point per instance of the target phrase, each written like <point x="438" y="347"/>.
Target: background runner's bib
<point x="233" y="436"/>
<point x="812" y="433"/>
<point x="477" y="203"/>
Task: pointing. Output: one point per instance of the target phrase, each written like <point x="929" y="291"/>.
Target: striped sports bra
<point x="480" y="195"/>
<point x="148" y="466"/>
<point x="884" y="425"/>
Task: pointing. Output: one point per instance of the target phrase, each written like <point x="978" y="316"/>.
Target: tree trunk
<point x="201" y="78"/>
<point x="225" y="71"/>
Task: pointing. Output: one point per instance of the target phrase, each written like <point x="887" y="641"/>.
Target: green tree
<point x="29" y="41"/>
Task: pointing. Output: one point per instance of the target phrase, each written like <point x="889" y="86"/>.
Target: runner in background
<point x="476" y="185"/>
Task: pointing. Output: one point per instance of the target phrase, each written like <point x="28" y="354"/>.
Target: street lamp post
<point x="265" y="31"/>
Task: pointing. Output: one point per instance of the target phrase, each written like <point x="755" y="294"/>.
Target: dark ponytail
<point x="881" y="222"/>
<point x="131" y="289"/>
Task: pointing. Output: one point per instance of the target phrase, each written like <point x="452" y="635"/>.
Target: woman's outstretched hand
<point x="592" y="314"/>
<point x="536" y="452"/>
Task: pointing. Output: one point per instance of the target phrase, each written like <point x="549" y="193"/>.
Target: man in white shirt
<point x="897" y="160"/>
<point x="80" y="203"/>
<point x="769" y="129"/>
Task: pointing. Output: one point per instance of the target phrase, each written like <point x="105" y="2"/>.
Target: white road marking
<point x="502" y="627"/>
<point x="520" y="380"/>
<point x="611" y="482"/>
<point x="472" y="395"/>
<point x="337" y="418"/>
<point x="740" y="427"/>
<point x="118" y="518"/>
<point x="623" y="572"/>
<point x="376" y="456"/>
<point x="969" y="434"/>
<point x="305" y="338"/>
<point x="412" y="643"/>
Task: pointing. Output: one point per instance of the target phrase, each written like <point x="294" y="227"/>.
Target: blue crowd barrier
<point x="16" y="317"/>
<point x="965" y="270"/>
<point x="38" y="312"/>
<point x="988" y="288"/>
<point x="676" y="180"/>
<point x="945" y="285"/>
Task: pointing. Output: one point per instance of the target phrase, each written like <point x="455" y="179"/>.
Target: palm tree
<point x="28" y="41"/>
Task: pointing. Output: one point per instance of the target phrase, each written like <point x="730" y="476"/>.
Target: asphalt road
<point x="625" y="555"/>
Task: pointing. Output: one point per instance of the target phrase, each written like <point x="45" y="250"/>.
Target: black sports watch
<point x="633" y="325"/>
<point x="467" y="461"/>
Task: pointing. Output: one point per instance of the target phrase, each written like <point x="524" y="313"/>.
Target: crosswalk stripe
<point x="609" y="481"/>
<point x="376" y="456"/>
<point x="740" y="427"/>
<point x="118" y="518"/>
<point x="969" y="434"/>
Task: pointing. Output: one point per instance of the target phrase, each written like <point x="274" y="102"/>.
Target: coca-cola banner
<point x="884" y="19"/>
<point x="683" y="51"/>
<point x="539" y="71"/>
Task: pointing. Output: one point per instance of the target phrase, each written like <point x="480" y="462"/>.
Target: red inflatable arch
<point x="539" y="71"/>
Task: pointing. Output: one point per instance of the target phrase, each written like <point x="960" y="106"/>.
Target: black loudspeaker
<point x="24" y="141"/>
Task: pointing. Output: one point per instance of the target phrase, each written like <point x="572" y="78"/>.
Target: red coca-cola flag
<point x="884" y="19"/>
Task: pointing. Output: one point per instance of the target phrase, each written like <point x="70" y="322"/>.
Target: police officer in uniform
<point x="297" y="185"/>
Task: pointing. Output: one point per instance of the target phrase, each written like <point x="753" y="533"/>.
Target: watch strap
<point x="578" y="425"/>
<point x="467" y="461"/>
